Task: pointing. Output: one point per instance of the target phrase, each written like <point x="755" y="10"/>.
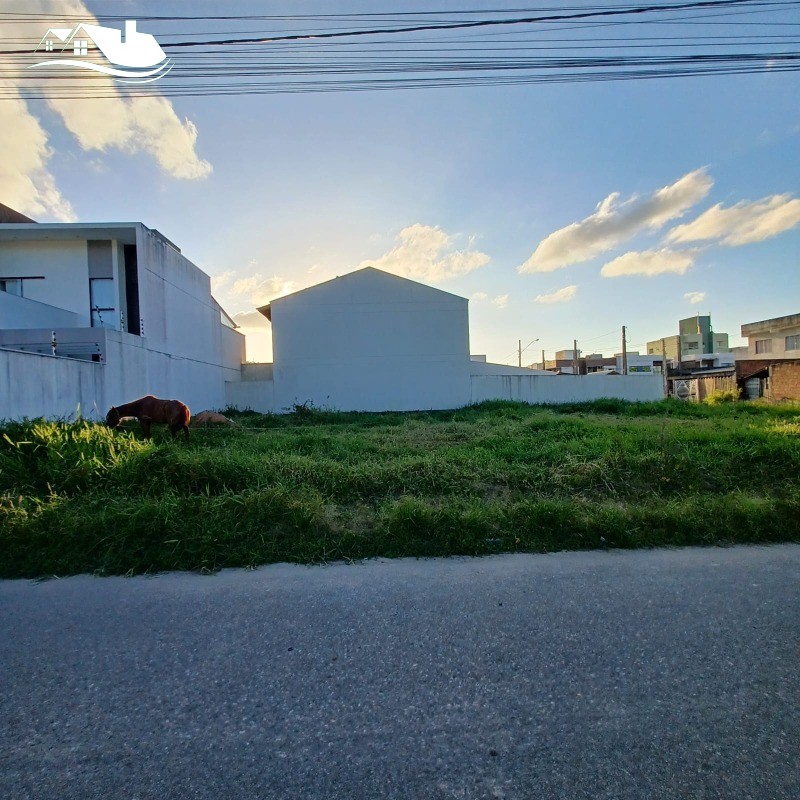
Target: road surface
<point x="649" y="674"/>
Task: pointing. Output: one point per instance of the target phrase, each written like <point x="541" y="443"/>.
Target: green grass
<point x="316" y="486"/>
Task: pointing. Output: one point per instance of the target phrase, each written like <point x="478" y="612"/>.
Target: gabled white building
<point x="372" y="341"/>
<point x="103" y="313"/>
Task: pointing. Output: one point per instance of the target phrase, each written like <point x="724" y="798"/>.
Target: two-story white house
<point x="103" y="313"/>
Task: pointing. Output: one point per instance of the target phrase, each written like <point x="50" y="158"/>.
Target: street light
<point x="521" y="349"/>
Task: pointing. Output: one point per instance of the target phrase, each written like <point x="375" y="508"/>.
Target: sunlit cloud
<point x="615" y="222"/>
<point x="742" y="223"/>
<point x="258" y="335"/>
<point x="131" y="125"/>
<point x="500" y="301"/>
<point x="649" y="263"/>
<point x="27" y="184"/>
<point x="427" y="253"/>
<point x="260" y="290"/>
<point x="560" y="296"/>
<point x="695" y="297"/>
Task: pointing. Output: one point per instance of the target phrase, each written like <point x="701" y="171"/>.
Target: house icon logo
<point x="138" y="58"/>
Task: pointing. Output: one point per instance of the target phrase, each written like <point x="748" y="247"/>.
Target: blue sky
<point x="498" y="194"/>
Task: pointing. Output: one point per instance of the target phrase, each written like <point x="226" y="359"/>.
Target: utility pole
<point x="520" y="353"/>
<point x="664" y="367"/>
<point x="575" y="357"/>
<point x="624" y="353"/>
<point x="543" y="361"/>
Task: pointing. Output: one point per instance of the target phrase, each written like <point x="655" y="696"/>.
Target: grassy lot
<point x="316" y="486"/>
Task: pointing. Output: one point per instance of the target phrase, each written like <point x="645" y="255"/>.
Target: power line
<point x="439" y="56"/>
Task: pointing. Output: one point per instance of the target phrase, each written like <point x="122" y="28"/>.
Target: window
<point x="80" y="47"/>
<point x="11" y="286"/>
<point x="793" y="342"/>
<point x="763" y="346"/>
<point x="691" y="345"/>
<point x="104" y="313"/>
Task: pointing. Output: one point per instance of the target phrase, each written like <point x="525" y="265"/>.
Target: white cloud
<point x="260" y="290"/>
<point x="426" y="253"/>
<point x="695" y="297"/>
<point x="615" y="222"/>
<point x="131" y="125"/>
<point x="560" y="296"/>
<point x="221" y="281"/>
<point x="742" y="223"/>
<point x="500" y="301"/>
<point x="649" y="262"/>
<point x="27" y="184"/>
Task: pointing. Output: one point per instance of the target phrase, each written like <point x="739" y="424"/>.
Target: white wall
<point x="538" y="389"/>
<point x="369" y="341"/>
<point x="488" y="368"/>
<point x="252" y="395"/>
<point x="21" y="312"/>
<point x="64" y="265"/>
<point x="44" y="386"/>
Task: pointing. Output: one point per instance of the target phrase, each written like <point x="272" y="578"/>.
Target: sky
<point x="561" y="210"/>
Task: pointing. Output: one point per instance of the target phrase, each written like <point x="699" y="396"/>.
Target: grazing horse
<point x="149" y="410"/>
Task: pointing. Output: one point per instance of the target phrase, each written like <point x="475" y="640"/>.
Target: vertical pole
<point x="53" y="342"/>
<point x="624" y="353"/>
<point x="574" y="356"/>
<point x="543" y="361"/>
<point x="520" y="352"/>
<point x="664" y="367"/>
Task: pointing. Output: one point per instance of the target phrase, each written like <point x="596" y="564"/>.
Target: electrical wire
<point x="437" y="49"/>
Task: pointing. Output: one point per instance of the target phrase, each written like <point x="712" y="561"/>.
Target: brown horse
<point x="149" y="410"/>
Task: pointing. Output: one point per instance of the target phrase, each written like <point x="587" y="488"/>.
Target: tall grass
<point x="315" y="486"/>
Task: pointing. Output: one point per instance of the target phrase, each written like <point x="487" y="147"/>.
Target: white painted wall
<point x="369" y="341"/>
<point x="64" y="265"/>
<point x="252" y="396"/>
<point x="21" y="312"/>
<point x="46" y="386"/>
<point x="538" y="389"/>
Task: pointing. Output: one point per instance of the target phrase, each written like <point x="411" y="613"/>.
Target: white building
<point x="372" y="341"/>
<point x="103" y="313"/>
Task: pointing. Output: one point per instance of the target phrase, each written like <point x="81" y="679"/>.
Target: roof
<point x="8" y="215"/>
<point x="771" y="325"/>
<point x="356" y="275"/>
<point x="124" y="232"/>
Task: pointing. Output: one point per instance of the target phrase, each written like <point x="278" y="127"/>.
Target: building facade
<point x="775" y="338"/>
<point x="124" y="312"/>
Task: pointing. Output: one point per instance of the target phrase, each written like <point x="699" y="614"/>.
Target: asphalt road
<point x="660" y="674"/>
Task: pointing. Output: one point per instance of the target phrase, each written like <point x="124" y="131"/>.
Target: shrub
<point x="722" y="396"/>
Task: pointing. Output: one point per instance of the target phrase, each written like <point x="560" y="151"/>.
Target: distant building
<point x="695" y="341"/>
<point x="773" y="338"/>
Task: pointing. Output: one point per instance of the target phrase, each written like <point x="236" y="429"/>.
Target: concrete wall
<point x="535" y="389"/>
<point x="252" y="395"/>
<point x="369" y="341"/>
<point x="64" y="265"/>
<point x="22" y="312"/>
<point x="566" y="388"/>
<point x="46" y="386"/>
